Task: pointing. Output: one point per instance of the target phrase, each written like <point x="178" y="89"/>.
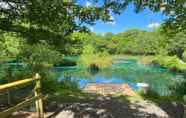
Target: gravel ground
<point x="113" y="108"/>
<point x="107" y="107"/>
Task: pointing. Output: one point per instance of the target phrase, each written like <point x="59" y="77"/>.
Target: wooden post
<point x="39" y="102"/>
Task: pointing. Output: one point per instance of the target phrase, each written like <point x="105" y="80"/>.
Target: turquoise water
<point x="124" y="71"/>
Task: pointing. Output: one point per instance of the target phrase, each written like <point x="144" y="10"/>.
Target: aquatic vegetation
<point x="146" y="60"/>
<point x="91" y="59"/>
<point x="125" y="71"/>
<point x="171" y="62"/>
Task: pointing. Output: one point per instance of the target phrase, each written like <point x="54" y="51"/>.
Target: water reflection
<point x="125" y="71"/>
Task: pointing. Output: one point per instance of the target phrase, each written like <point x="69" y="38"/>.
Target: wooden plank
<point x="110" y="89"/>
<point x="27" y="102"/>
<point x="17" y="83"/>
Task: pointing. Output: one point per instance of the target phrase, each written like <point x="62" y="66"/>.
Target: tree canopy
<point x="59" y="23"/>
<point x="65" y="16"/>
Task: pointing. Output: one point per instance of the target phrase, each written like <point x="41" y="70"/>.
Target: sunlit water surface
<point x="123" y="71"/>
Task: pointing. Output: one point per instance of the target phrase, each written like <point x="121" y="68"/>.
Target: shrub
<point x="91" y="59"/>
<point x="171" y="62"/>
<point x="184" y="56"/>
<point x="39" y="56"/>
<point x="178" y="88"/>
<point x="147" y="60"/>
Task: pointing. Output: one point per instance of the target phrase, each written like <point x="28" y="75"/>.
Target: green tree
<point x="10" y="45"/>
<point x="175" y="11"/>
<point x="39" y="57"/>
<point x="184" y="56"/>
<point x="177" y="44"/>
<point x="78" y="40"/>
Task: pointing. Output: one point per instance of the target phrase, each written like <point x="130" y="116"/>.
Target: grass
<point x="156" y="98"/>
<point x="100" y="60"/>
<point x="171" y="62"/>
<point x="131" y="57"/>
<point x="146" y="60"/>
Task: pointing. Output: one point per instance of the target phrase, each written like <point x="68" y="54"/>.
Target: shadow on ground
<point x="109" y="107"/>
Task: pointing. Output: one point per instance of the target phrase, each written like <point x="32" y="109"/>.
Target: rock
<point x="65" y="114"/>
<point x="144" y="87"/>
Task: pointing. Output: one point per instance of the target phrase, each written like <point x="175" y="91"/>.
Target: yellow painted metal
<point x="37" y="98"/>
<point x="9" y="111"/>
<point x="16" y="83"/>
<point x="37" y="92"/>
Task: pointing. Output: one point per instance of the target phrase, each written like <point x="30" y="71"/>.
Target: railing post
<point x="39" y="102"/>
<point x="184" y="114"/>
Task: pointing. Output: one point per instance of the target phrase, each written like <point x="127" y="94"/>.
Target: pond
<point x="123" y="71"/>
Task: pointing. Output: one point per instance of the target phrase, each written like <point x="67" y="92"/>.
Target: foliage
<point x="178" y="88"/>
<point x="39" y="31"/>
<point x="184" y="56"/>
<point x="68" y="84"/>
<point x="72" y="11"/>
<point x="42" y="15"/>
<point x="50" y="84"/>
<point x="177" y="44"/>
<point x="175" y="10"/>
<point x="171" y="62"/>
<point x="78" y="40"/>
<point x="91" y="58"/>
<point x="146" y="60"/>
<point x="155" y="97"/>
<point x="133" y="41"/>
<point x="40" y="56"/>
<point x="177" y="91"/>
<point x="10" y="46"/>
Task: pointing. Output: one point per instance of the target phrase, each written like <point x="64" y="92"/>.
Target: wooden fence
<point x="37" y="98"/>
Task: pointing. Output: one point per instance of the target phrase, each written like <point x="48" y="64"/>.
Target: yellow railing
<point x="37" y="98"/>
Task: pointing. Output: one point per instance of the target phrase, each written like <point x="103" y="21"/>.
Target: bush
<point x="184" y="56"/>
<point x="178" y="88"/>
<point x="147" y="60"/>
<point x="171" y="62"/>
<point x="91" y="59"/>
<point x="39" y="56"/>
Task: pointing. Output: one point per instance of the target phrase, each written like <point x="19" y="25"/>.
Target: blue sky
<point x="128" y="20"/>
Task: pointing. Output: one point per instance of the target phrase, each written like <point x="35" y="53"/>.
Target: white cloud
<point x="91" y="29"/>
<point x="153" y="25"/>
<point x="88" y="4"/>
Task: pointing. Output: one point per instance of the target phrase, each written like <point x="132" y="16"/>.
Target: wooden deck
<point x="110" y="89"/>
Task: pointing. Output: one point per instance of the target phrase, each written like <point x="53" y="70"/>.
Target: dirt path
<point x="105" y="107"/>
<point x="109" y="107"/>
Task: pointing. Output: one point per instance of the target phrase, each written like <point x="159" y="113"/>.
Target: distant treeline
<point x="133" y="41"/>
